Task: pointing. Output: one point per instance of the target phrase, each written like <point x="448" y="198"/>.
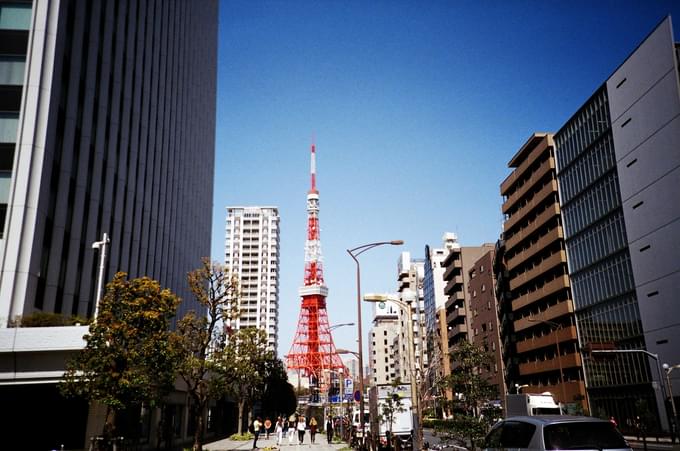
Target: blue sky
<point x="415" y="107"/>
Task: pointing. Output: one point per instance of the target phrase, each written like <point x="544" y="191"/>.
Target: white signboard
<point x="349" y="386"/>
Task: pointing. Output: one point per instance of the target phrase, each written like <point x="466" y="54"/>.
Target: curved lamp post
<point x="406" y="304"/>
<point x="354" y="253"/>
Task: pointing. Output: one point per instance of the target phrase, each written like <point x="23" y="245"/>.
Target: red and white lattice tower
<point x="313" y="352"/>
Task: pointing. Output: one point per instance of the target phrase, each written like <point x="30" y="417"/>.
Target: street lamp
<point x="354" y="253"/>
<point x="406" y="303"/>
<point x="335" y="326"/>
<point x="345" y="351"/>
<point x="518" y="388"/>
<point x="668" y="370"/>
<point x="557" y="327"/>
<point x="101" y="246"/>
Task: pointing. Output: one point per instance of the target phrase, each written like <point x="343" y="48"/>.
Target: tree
<point x="245" y="365"/>
<point x="127" y="360"/>
<point x="391" y="406"/>
<point x="200" y="338"/>
<point x="470" y="390"/>
<point x="279" y="395"/>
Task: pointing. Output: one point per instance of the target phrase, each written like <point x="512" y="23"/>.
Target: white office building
<point x="252" y="254"/>
<point x="381" y="343"/>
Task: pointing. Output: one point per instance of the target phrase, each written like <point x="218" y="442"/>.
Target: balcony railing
<point x="555" y="285"/>
<point x="541" y="366"/>
<point x="544" y="266"/>
<point x="563" y="334"/>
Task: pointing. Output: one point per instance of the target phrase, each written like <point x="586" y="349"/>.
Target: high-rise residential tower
<point x="618" y="166"/>
<point x="252" y="254"/>
<point x="107" y="124"/>
<point x="484" y="320"/>
<point x="543" y="330"/>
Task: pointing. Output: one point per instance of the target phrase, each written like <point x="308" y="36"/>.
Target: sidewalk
<point x="319" y="445"/>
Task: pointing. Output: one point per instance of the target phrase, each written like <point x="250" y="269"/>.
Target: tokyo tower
<point x="313" y="352"/>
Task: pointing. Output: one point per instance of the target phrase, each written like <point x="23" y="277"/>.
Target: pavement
<point x="262" y="443"/>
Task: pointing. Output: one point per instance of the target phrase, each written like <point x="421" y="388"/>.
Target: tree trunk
<point x="197" y="413"/>
<point x="241" y="405"/>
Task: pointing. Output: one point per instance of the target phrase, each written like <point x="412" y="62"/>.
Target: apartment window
<point x="481" y="268"/>
<point x="15" y="16"/>
<point x="483" y="288"/>
<point x="472" y="274"/>
<point x="12" y="70"/>
<point x="9" y="122"/>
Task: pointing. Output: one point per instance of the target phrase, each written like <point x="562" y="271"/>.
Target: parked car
<point x="555" y="432"/>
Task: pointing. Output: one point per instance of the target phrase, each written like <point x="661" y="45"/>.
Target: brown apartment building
<point x="456" y="267"/>
<point x="484" y="319"/>
<point x="543" y="323"/>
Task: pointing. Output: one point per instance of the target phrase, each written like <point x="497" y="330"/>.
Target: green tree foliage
<point x="279" y="395"/>
<point x="391" y="406"/>
<point x="471" y="391"/>
<point x="246" y="364"/>
<point x="200" y="338"/>
<point x="127" y="360"/>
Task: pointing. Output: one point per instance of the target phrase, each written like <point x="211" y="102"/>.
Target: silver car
<point x="552" y="432"/>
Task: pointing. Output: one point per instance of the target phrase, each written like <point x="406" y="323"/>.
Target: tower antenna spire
<point x="312" y="170"/>
<point x="313" y="350"/>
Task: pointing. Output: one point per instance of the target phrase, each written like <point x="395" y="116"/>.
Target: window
<point x="9" y="122"/>
<point x="15" y="16"/>
<point x="12" y="70"/>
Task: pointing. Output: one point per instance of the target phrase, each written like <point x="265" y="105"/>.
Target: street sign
<point x="357" y="396"/>
<point x="349" y="386"/>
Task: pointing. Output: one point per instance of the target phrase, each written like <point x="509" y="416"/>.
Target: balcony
<point x="453" y="283"/>
<point x="542" y="366"/>
<point x="543" y="242"/>
<point x="563" y="334"/>
<point x="527" y="161"/>
<point x="457" y="330"/>
<point x="543" y="267"/>
<point x="454" y="313"/>
<point x="521" y="213"/>
<point x="549" y="288"/>
<point x="538" y="222"/>
<point x="546" y="168"/>
<point x="455" y="264"/>
<point x="557" y="310"/>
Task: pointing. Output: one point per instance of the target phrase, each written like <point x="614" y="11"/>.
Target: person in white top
<point x="301" y="426"/>
<point x="279" y="431"/>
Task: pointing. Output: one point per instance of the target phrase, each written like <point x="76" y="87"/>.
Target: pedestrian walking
<point x="301" y="426"/>
<point x="292" y="429"/>
<point x="279" y="431"/>
<point x="267" y="426"/>
<point x="312" y="428"/>
<point x="329" y="429"/>
<point x="257" y="425"/>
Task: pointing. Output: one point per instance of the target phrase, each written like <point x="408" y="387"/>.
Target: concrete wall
<point x="644" y="99"/>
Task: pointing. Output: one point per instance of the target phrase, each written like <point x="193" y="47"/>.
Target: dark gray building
<point x="107" y="124"/>
<point x="112" y="131"/>
<point x="618" y="164"/>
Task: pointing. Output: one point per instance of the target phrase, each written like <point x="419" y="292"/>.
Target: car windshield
<point x="583" y="435"/>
